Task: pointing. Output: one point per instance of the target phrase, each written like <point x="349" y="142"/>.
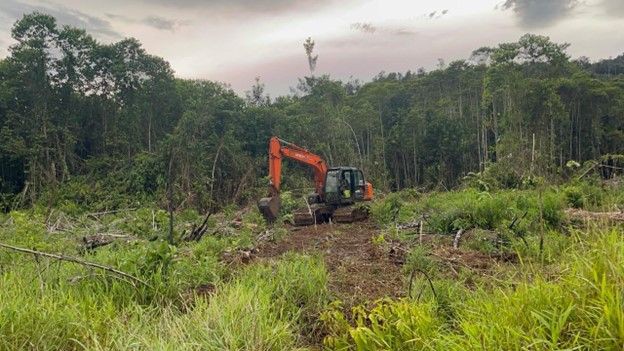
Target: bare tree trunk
<point x="214" y="167"/>
<point x="383" y="145"/>
<point x="357" y="144"/>
<point x="415" y="163"/>
<point x="532" y="155"/>
<point x="170" y="195"/>
<point x="149" y="133"/>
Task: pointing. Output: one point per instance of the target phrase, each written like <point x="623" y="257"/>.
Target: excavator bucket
<point x="270" y="207"/>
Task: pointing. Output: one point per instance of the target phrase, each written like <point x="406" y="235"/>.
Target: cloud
<point x="254" y="6"/>
<point x="369" y="28"/>
<point x="614" y="8"/>
<point x="160" y="23"/>
<point x="540" y="13"/>
<point x="403" y="32"/>
<point x="157" y="22"/>
<point x="13" y="10"/>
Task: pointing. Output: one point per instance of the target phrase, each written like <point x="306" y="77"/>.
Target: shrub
<point x="552" y="209"/>
<point x="418" y="259"/>
<point x="389" y="325"/>
<point x="387" y="210"/>
<point x="574" y="197"/>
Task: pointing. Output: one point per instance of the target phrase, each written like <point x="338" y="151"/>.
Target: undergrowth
<point x="191" y="299"/>
<point x="578" y="308"/>
<point x="561" y="289"/>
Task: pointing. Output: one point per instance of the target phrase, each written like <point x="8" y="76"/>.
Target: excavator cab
<point x="344" y="186"/>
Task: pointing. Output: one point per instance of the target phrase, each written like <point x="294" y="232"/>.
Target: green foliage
<point x="102" y="126"/>
<point x="584" y="195"/>
<point x="449" y="212"/>
<point x="418" y="259"/>
<point x="552" y="209"/>
<point x="289" y="204"/>
<point x="145" y="223"/>
<point x="390" y="325"/>
<point x="392" y="207"/>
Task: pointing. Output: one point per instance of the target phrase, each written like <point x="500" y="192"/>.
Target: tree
<point x="308" y="45"/>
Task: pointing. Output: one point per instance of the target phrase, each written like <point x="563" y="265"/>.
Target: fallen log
<point x="91" y="242"/>
<point x="617" y="216"/>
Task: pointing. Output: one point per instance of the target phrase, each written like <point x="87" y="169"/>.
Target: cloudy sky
<point x="234" y="41"/>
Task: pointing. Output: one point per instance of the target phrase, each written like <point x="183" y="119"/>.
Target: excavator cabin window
<point x="346" y="184"/>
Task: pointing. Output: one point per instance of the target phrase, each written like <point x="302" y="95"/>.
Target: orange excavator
<point x="337" y="190"/>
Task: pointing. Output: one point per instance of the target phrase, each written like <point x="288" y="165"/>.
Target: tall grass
<point x="264" y="308"/>
<point x="52" y="305"/>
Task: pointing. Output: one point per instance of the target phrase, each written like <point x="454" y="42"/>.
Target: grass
<point x="51" y="305"/>
<point x="563" y="290"/>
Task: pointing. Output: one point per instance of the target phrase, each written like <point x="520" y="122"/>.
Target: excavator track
<point x="316" y="213"/>
<point x="350" y="214"/>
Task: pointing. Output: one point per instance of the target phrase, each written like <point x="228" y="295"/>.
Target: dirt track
<point x="358" y="269"/>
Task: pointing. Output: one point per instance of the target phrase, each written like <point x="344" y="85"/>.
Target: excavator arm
<point x="279" y="149"/>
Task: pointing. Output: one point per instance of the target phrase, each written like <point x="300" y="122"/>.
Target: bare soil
<point x="359" y="270"/>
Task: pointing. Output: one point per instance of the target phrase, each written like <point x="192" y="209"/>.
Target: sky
<point x="234" y="41"/>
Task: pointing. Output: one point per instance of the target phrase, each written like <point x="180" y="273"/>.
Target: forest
<point x="83" y="119"/>
<point x="128" y="214"/>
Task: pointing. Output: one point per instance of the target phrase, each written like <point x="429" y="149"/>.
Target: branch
<point x="76" y="260"/>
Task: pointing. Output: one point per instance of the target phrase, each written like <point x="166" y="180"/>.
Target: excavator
<point x="337" y="190"/>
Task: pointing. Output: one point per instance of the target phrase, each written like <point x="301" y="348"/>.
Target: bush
<point x="389" y="325"/>
<point x="584" y="195"/>
<point x="395" y="207"/>
<point x="552" y="210"/>
<point x="418" y="259"/>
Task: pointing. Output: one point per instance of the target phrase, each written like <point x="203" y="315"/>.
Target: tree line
<point x="78" y="115"/>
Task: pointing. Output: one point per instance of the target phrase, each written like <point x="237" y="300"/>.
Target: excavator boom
<point x="278" y="149"/>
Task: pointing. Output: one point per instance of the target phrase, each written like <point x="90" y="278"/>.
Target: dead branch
<point x="588" y="215"/>
<point x="101" y="213"/>
<point x="197" y="232"/>
<point x="77" y="261"/>
<point x="310" y="211"/>
<point x="409" y="225"/>
<point x="91" y="242"/>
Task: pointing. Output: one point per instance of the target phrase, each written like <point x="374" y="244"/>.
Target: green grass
<point x="51" y="305"/>
<point x="529" y="210"/>
<point x="564" y="290"/>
